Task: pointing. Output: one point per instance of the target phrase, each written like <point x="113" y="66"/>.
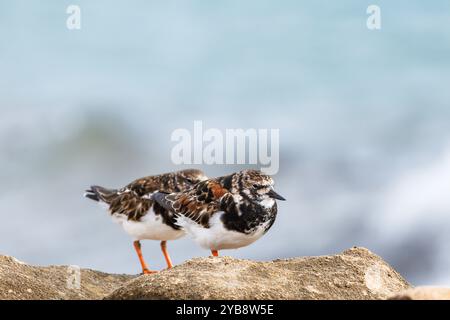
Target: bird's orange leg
<point x="166" y="254"/>
<point x="145" y="269"/>
<point x="215" y="253"/>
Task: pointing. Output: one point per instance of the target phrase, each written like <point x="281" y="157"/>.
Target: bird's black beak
<point x="275" y="195"/>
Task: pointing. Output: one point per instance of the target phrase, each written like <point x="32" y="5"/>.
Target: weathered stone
<point x="423" y="293"/>
<point x="355" y="274"/>
<point x="19" y="281"/>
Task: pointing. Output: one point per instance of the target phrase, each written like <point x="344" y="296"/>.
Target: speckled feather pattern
<point x="133" y="201"/>
<point x="238" y="198"/>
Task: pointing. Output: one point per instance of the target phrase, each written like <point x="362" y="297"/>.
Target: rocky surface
<point x="19" y="281"/>
<point x="354" y="274"/>
<point x="423" y="293"/>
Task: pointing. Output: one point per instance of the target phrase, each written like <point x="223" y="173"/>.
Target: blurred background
<point x="363" y="117"/>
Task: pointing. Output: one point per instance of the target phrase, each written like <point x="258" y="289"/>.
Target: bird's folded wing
<point x="131" y="205"/>
<point x="143" y="186"/>
<point x="197" y="204"/>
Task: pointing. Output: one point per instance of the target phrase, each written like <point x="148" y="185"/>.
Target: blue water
<point x="363" y="117"/>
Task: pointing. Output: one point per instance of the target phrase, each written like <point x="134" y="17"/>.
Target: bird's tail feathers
<point x="98" y="193"/>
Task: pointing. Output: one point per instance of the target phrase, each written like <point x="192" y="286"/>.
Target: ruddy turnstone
<point x="227" y="212"/>
<point x="141" y="217"/>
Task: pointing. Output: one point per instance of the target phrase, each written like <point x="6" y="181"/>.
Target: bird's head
<point x="255" y="185"/>
<point x="190" y="177"/>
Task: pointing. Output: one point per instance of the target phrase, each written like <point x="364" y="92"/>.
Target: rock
<point x="423" y="293"/>
<point x="19" y="281"/>
<point x="354" y="274"/>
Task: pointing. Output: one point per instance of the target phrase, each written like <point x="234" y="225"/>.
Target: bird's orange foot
<point x="147" y="271"/>
<point x="215" y="253"/>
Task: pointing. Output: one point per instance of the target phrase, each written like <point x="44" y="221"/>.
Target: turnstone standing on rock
<point x="141" y="217"/>
<point x="227" y="212"/>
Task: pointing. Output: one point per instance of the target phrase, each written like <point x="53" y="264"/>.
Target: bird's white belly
<point x="150" y="227"/>
<point x="216" y="237"/>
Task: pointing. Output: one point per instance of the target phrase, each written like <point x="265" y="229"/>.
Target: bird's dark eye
<point x="189" y="180"/>
<point x="255" y="186"/>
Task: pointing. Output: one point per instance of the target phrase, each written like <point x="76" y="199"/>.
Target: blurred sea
<point x="363" y="117"/>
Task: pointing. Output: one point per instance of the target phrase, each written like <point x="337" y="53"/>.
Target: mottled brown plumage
<point x="134" y="201"/>
<point x="227" y="212"/>
<point x="140" y="216"/>
<point x="198" y="203"/>
<point x="237" y="195"/>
